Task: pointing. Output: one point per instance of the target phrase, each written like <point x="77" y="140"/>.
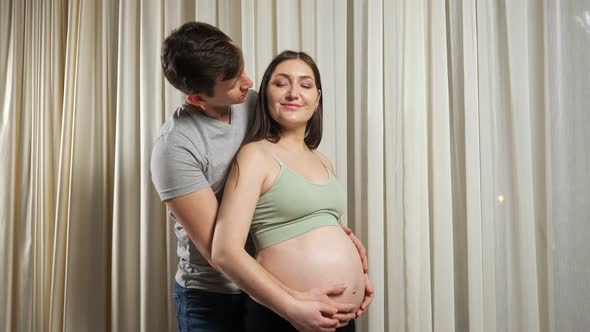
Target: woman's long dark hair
<point x="262" y="126"/>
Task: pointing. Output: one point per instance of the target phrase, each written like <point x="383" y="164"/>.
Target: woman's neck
<point x="293" y="139"/>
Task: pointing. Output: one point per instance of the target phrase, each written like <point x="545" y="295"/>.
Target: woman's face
<point x="292" y="94"/>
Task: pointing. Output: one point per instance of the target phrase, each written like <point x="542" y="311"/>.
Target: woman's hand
<point x="312" y="316"/>
<point x="369" y="290"/>
<point x="359" y="246"/>
<point x="316" y="311"/>
<point x="344" y="312"/>
<point x="369" y="293"/>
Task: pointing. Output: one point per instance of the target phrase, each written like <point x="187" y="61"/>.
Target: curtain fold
<point x="440" y="194"/>
<point x="127" y="223"/>
<point x="84" y="189"/>
<point x="395" y="292"/>
<point x="568" y="166"/>
<point x="459" y="129"/>
<point x="14" y="129"/>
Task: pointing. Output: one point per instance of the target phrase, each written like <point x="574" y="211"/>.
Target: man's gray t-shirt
<point x="193" y="152"/>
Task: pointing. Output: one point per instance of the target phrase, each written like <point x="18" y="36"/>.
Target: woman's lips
<point x="290" y="106"/>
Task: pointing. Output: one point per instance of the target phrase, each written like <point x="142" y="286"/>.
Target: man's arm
<point x="178" y="176"/>
<point x="196" y="213"/>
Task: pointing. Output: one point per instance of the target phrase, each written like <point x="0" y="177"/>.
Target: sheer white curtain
<point x="469" y="141"/>
<point x="460" y="129"/>
<point x="567" y="125"/>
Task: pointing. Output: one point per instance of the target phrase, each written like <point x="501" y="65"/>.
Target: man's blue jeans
<point x="197" y="310"/>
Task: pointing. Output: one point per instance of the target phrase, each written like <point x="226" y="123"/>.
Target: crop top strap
<point x="321" y="161"/>
<point x="272" y="154"/>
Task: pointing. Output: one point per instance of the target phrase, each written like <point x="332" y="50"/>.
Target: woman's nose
<point x="292" y="93"/>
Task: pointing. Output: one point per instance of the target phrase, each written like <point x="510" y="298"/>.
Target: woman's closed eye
<point x="306" y="83"/>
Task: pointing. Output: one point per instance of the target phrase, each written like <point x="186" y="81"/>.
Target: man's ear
<point x="196" y="99"/>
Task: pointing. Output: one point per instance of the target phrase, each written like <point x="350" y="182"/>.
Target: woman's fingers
<point x="335" y="290"/>
<point x="345" y="307"/>
<point x="369" y="293"/>
<point x="361" y="249"/>
<point x="329" y="322"/>
<point x="345" y="317"/>
<point x="327" y="310"/>
<point x="346" y="229"/>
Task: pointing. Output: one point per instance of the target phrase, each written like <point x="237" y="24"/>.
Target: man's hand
<point x="359" y="246"/>
<point x="369" y="292"/>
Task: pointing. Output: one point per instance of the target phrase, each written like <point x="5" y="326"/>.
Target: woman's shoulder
<point x="253" y="162"/>
<point x="252" y="152"/>
<point x="325" y="160"/>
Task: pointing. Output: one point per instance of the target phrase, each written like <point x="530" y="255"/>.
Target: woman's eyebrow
<point x="303" y="77"/>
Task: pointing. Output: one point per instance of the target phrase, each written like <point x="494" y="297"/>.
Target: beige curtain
<point x="460" y="129"/>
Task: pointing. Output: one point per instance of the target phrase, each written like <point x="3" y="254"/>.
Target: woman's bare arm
<point x="234" y="218"/>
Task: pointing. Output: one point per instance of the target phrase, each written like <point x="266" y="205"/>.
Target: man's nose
<point x="246" y="82"/>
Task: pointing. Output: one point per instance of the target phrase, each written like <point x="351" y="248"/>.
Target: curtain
<point x="459" y="129"/>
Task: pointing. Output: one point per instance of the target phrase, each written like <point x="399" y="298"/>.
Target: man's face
<point x="230" y="92"/>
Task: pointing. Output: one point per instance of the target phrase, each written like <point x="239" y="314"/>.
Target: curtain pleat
<point x="153" y="278"/>
<point x="439" y="169"/>
<point x="372" y="155"/>
<point x="469" y="106"/>
<point x="126" y="255"/>
<point x="395" y="292"/>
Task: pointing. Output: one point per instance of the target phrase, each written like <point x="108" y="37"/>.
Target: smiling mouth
<point x="291" y="106"/>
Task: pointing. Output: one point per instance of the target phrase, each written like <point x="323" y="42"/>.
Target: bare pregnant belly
<point x="320" y="258"/>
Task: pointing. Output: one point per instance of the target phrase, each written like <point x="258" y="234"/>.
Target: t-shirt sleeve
<point x="177" y="167"/>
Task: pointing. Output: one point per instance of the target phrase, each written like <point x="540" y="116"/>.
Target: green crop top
<point x="293" y="206"/>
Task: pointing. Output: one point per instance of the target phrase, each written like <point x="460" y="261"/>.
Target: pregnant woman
<point x="284" y="192"/>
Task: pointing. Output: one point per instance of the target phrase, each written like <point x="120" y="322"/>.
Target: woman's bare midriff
<point x="320" y="258"/>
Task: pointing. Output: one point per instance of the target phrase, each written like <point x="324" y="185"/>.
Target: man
<point x="190" y="160"/>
